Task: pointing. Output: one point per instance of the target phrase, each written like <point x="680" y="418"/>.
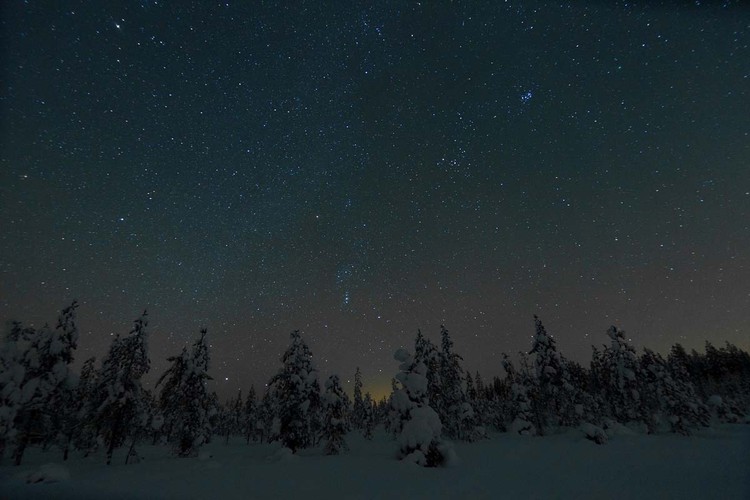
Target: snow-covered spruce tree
<point x="725" y="403"/>
<point x="155" y="419"/>
<point x="653" y="371"/>
<point x="622" y="390"/>
<point x="382" y="409"/>
<point x="233" y="425"/>
<point x="598" y="372"/>
<point x="393" y="416"/>
<point x="293" y="389"/>
<point x="426" y="352"/>
<point x="170" y="402"/>
<point x="184" y="400"/>
<point x="420" y="438"/>
<point x="250" y="416"/>
<point x="221" y="424"/>
<point x="521" y="413"/>
<point x="63" y="404"/>
<point x="267" y="419"/>
<point x="498" y="404"/>
<point x="201" y="359"/>
<point x="686" y="409"/>
<point x="555" y="395"/>
<point x="334" y="428"/>
<point x="670" y="399"/>
<point x="357" y="416"/>
<point x="476" y="395"/>
<point x="727" y="380"/>
<point x="215" y="416"/>
<point x="348" y="411"/>
<point x="12" y="375"/>
<point x="45" y="358"/>
<point x="120" y="407"/>
<point x="64" y="421"/>
<point x="368" y="423"/>
<point x="588" y="404"/>
<point x="85" y="433"/>
<point x="455" y="411"/>
<point x="316" y="415"/>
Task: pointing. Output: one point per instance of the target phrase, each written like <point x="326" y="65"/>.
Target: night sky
<point x="358" y="172"/>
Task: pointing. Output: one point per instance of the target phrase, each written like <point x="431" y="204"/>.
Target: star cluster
<point x="358" y="172"/>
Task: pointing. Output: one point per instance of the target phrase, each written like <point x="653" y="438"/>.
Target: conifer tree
<point x="250" y="415"/>
<point x="170" y="396"/>
<point x="316" y="412"/>
<point x="12" y="376"/>
<point x="234" y="416"/>
<point x="154" y="417"/>
<point x="267" y="416"/>
<point x="670" y="395"/>
<point x="521" y="412"/>
<point x="393" y="417"/>
<point x="46" y="387"/>
<point x="184" y="399"/>
<point x="215" y="416"/>
<point x="357" y="418"/>
<point x="293" y="389"/>
<point x="120" y="406"/>
<point x="334" y="428"/>
<point x="477" y="396"/>
<point x="420" y="438"/>
<point x="555" y="394"/>
<point x="86" y="431"/>
<point x="369" y="416"/>
<point x="426" y="352"/>
<point x="622" y="392"/>
<point x="455" y="411"/>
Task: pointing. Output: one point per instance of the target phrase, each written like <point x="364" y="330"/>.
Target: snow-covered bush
<point x="594" y="433"/>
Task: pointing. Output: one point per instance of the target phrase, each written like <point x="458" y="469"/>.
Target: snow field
<point x="713" y="463"/>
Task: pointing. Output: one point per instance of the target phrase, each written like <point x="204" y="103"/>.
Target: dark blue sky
<point x="359" y="172"/>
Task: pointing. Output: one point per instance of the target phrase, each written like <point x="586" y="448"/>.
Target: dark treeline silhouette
<point x="433" y="401"/>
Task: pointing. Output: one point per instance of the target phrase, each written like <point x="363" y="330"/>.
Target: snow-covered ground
<point x="714" y="463"/>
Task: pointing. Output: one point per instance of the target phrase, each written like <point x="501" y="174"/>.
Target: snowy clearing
<point x="714" y="463"/>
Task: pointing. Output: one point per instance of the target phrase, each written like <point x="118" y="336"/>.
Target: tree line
<point x="433" y="401"/>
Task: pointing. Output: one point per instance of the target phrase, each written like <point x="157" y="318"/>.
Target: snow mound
<point x="49" y="473"/>
<point x="522" y="427"/>
<point x="282" y="455"/>
<point x="422" y="429"/>
<point x="614" y="428"/>
<point x="594" y="433"/>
